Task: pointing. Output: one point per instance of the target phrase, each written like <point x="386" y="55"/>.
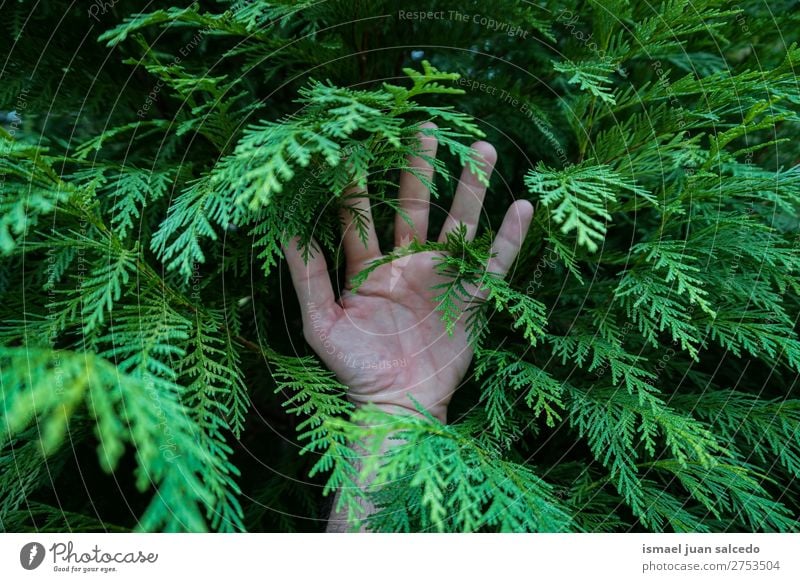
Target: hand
<point x="386" y="341"/>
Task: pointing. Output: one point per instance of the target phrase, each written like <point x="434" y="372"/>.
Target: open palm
<point x="387" y="342"/>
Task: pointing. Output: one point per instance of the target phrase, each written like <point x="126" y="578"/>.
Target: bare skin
<point x="386" y="342"/>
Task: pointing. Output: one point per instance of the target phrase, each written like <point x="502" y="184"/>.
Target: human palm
<point x="387" y="341"/>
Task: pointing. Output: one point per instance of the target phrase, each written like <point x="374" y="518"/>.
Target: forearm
<point x="338" y="521"/>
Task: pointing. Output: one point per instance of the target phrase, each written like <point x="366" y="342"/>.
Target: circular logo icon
<point x="31" y="555"/>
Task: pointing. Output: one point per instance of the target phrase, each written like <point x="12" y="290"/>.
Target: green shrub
<point x="638" y="372"/>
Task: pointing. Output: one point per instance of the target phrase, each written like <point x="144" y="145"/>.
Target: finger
<point x="468" y="201"/>
<point x="415" y="196"/>
<point x="508" y="241"/>
<point x="358" y="239"/>
<point x="311" y="281"/>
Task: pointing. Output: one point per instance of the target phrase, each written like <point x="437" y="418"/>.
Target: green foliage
<point x="440" y="479"/>
<point x="45" y="388"/>
<point x="591" y="77"/>
<point x="315" y="394"/>
<point x="506" y="373"/>
<point x="580" y="197"/>
<point x="637" y="370"/>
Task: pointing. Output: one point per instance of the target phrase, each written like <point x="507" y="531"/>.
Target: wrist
<point x="437" y="410"/>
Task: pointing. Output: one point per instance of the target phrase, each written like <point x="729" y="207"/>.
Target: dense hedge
<point x="639" y="372"/>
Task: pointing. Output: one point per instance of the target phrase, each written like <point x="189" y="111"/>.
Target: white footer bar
<point x="406" y="558"/>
